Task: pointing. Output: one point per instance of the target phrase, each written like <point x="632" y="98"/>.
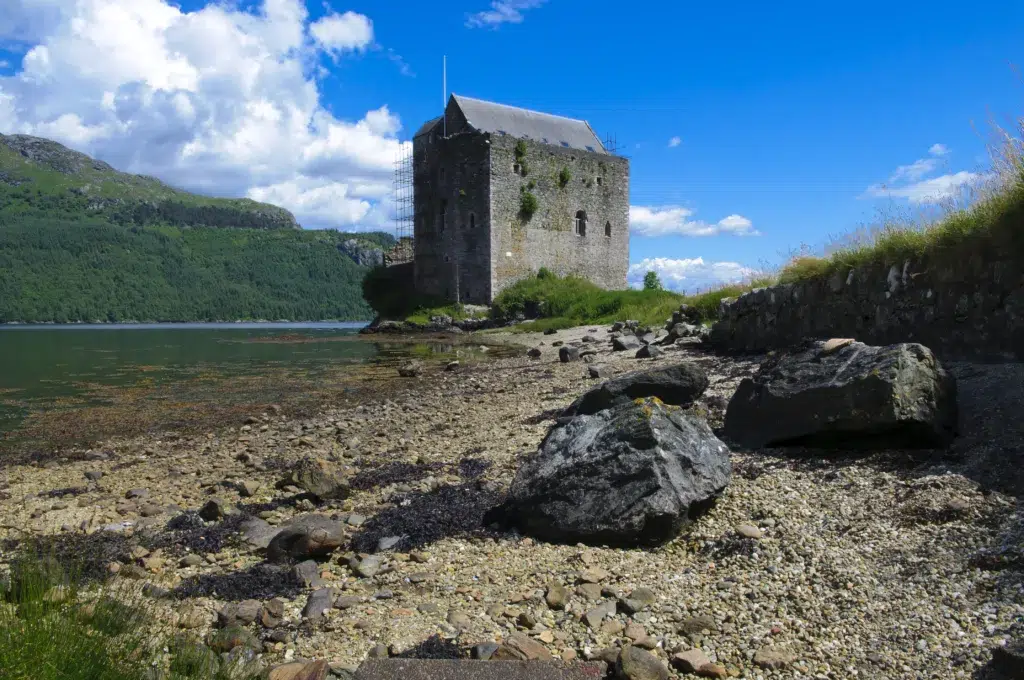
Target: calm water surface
<point x="54" y="379"/>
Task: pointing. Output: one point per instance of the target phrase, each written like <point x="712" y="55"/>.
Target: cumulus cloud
<point x="342" y="32"/>
<point x="217" y="100"/>
<point x="502" y="12"/>
<point x="674" y="142"/>
<point x="912" y="182"/>
<point x="676" y="221"/>
<point x="688" y="275"/>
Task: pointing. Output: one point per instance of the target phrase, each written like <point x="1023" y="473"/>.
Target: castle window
<point x="516" y="168"/>
<point x="472" y="221"/>
<point x="607" y="228"/>
<point x="442" y="174"/>
<point x="581" y="223"/>
<point x="600" y="181"/>
<point x="447" y="259"/>
<point x="444" y="212"/>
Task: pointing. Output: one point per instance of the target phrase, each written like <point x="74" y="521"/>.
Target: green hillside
<point x="41" y="178"/>
<point x="80" y="241"/>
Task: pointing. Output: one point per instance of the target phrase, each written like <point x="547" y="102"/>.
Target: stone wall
<point x="963" y="303"/>
<point x="599" y="185"/>
<point x="452" y="255"/>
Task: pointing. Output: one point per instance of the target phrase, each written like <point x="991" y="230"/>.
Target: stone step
<point x="463" y="669"/>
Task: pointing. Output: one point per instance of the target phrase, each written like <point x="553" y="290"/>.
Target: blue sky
<point x="792" y="122"/>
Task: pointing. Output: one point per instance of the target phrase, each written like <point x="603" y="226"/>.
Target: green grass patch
<point x="52" y="630"/>
<point x="986" y="220"/>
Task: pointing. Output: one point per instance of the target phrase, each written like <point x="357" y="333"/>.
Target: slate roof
<point x="499" y="119"/>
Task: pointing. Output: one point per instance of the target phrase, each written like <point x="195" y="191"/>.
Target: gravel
<point x="883" y="565"/>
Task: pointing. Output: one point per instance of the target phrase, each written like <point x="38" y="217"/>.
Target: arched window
<point x="444" y="213"/>
<point x="472" y="221"/>
<point x="581" y="223"/>
<point x="607" y="228"/>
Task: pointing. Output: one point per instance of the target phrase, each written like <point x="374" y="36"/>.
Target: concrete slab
<point x="463" y="669"/>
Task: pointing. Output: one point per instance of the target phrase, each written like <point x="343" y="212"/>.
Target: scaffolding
<point x="402" y="191"/>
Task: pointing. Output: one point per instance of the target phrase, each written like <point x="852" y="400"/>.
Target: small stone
<point x="247" y="610"/>
<point x="594" y="617"/>
<point x="568" y="353"/>
<point x="366" y="567"/>
<point x="94" y="475"/>
<point x="248" y="488"/>
<point x="484" y="650"/>
<point x="356" y="520"/>
<point x="773" y="658"/>
<point x="638" y="600"/>
<point x="591" y="591"/>
<point x="697" y="624"/>
<point x="215" y="509"/>
<point x="712" y="670"/>
<point x="318" y="602"/>
<point x="527" y="620"/>
<point x="749" y="531"/>
<point x="611" y="627"/>
<point x="533" y="353"/>
<point x="593" y="575"/>
<point x="634" y="631"/>
<point x="458" y="619"/>
<point x="347" y="602"/>
<point x="379" y="651"/>
<point x="192" y="560"/>
<point x="419" y="556"/>
<point x="557" y="596"/>
<point x="690" y="661"/>
<point x="639" y="664"/>
<point x="308" y="574"/>
<point x="520" y="647"/>
<point x="137" y="493"/>
<point x="597" y="371"/>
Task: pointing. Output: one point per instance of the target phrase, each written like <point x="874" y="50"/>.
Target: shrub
<point x="520" y="150"/>
<point x="545" y="273"/>
<point x="651" y="281"/>
<point x="528" y="205"/>
<point x="564" y="177"/>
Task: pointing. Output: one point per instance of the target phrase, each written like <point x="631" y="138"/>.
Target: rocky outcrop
<point x="678" y="385"/>
<point x="362" y="253"/>
<point x="846" y="394"/>
<point x="627" y="476"/>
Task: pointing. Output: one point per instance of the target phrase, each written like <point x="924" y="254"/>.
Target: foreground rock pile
<point x="310" y="544"/>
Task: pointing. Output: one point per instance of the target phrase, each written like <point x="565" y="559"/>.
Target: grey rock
<point x="640" y="599"/>
<point x="678" y="385"/>
<point x="388" y="542"/>
<point x="568" y="353"/>
<point x="773" y="658"/>
<point x="93" y="475"/>
<point x="308" y="574"/>
<point x="696" y="624"/>
<point x="557" y="596"/>
<point x="649" y="352"/>
<point x="216" y="509"/>
<point x="843" y="394"/>
<point x="319" y="601"/>
<point x="625" y="343"/>
<point x="365" y="567"/>
<point x="1009" y="659"/>
<point x="318" y="477"/>
<point x="484" y="650"/>
<point x="533" y="353"/>
<point x="304" y="537"/>
<point x="258" y="533"/>
<point x="597" y="371"/>
<point x="247" y="610"/>
<point x="639" y="664"/>
<point x="409" y="371"/>
<point x="630" y="476"/>
<point x="347" y="601"/>
<point x="595" y="615"/>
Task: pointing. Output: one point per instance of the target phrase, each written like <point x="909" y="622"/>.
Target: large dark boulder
<point x="845" y="394"/>
<point x="679" y="385"/>
<point x="628" y="476"/>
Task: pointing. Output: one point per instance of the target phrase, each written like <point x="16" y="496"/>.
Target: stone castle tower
<point x="500" y="192"/>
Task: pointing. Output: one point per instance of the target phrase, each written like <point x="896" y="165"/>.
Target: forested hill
<point x="82" y="242"/>
<point x="41" y="178"/>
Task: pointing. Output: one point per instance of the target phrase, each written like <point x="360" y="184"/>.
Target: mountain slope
<point x="41" y="178"/>
<point x="80" y="241"/>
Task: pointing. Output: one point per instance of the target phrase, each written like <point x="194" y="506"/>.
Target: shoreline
<point x="858" y="572"/>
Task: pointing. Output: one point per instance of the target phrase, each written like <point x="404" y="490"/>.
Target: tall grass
<point x="989" y="216"/>
<point x="50" y="629"/>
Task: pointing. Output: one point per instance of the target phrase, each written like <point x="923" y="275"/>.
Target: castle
<point x="499" y="192"/>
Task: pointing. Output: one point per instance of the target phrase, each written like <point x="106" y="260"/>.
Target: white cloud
<point x="912" y="182"/>
<point x="217" y="100"/>
<point x="674" y="142"/>
<point x="933" y="190"/>
<point x="342" y="32"/>
<point x="502" y="12"/>
<point x="675" y="220"/>
<point x="688" y="275"/>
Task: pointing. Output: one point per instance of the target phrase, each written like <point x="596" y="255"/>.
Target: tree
<point x="651" y="281"/>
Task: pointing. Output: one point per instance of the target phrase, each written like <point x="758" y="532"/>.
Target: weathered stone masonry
<point x="471" y="238"/>
<point x="971" y="305"/>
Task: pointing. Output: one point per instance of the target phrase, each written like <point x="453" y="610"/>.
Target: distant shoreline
<point x="183" y="325"/>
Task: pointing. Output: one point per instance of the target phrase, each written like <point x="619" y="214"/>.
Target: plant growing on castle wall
<point x="524" y="169"/>
<point x="528" y="205"/>
<point x="520" y="150"/>
<point x="564" y="177"/>
<point x="531" y="185"/>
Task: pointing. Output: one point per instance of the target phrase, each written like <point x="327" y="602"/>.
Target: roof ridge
<point x="520" y="108"/>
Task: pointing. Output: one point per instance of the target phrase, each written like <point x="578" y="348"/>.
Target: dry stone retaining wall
<point x="969" y="304"/>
